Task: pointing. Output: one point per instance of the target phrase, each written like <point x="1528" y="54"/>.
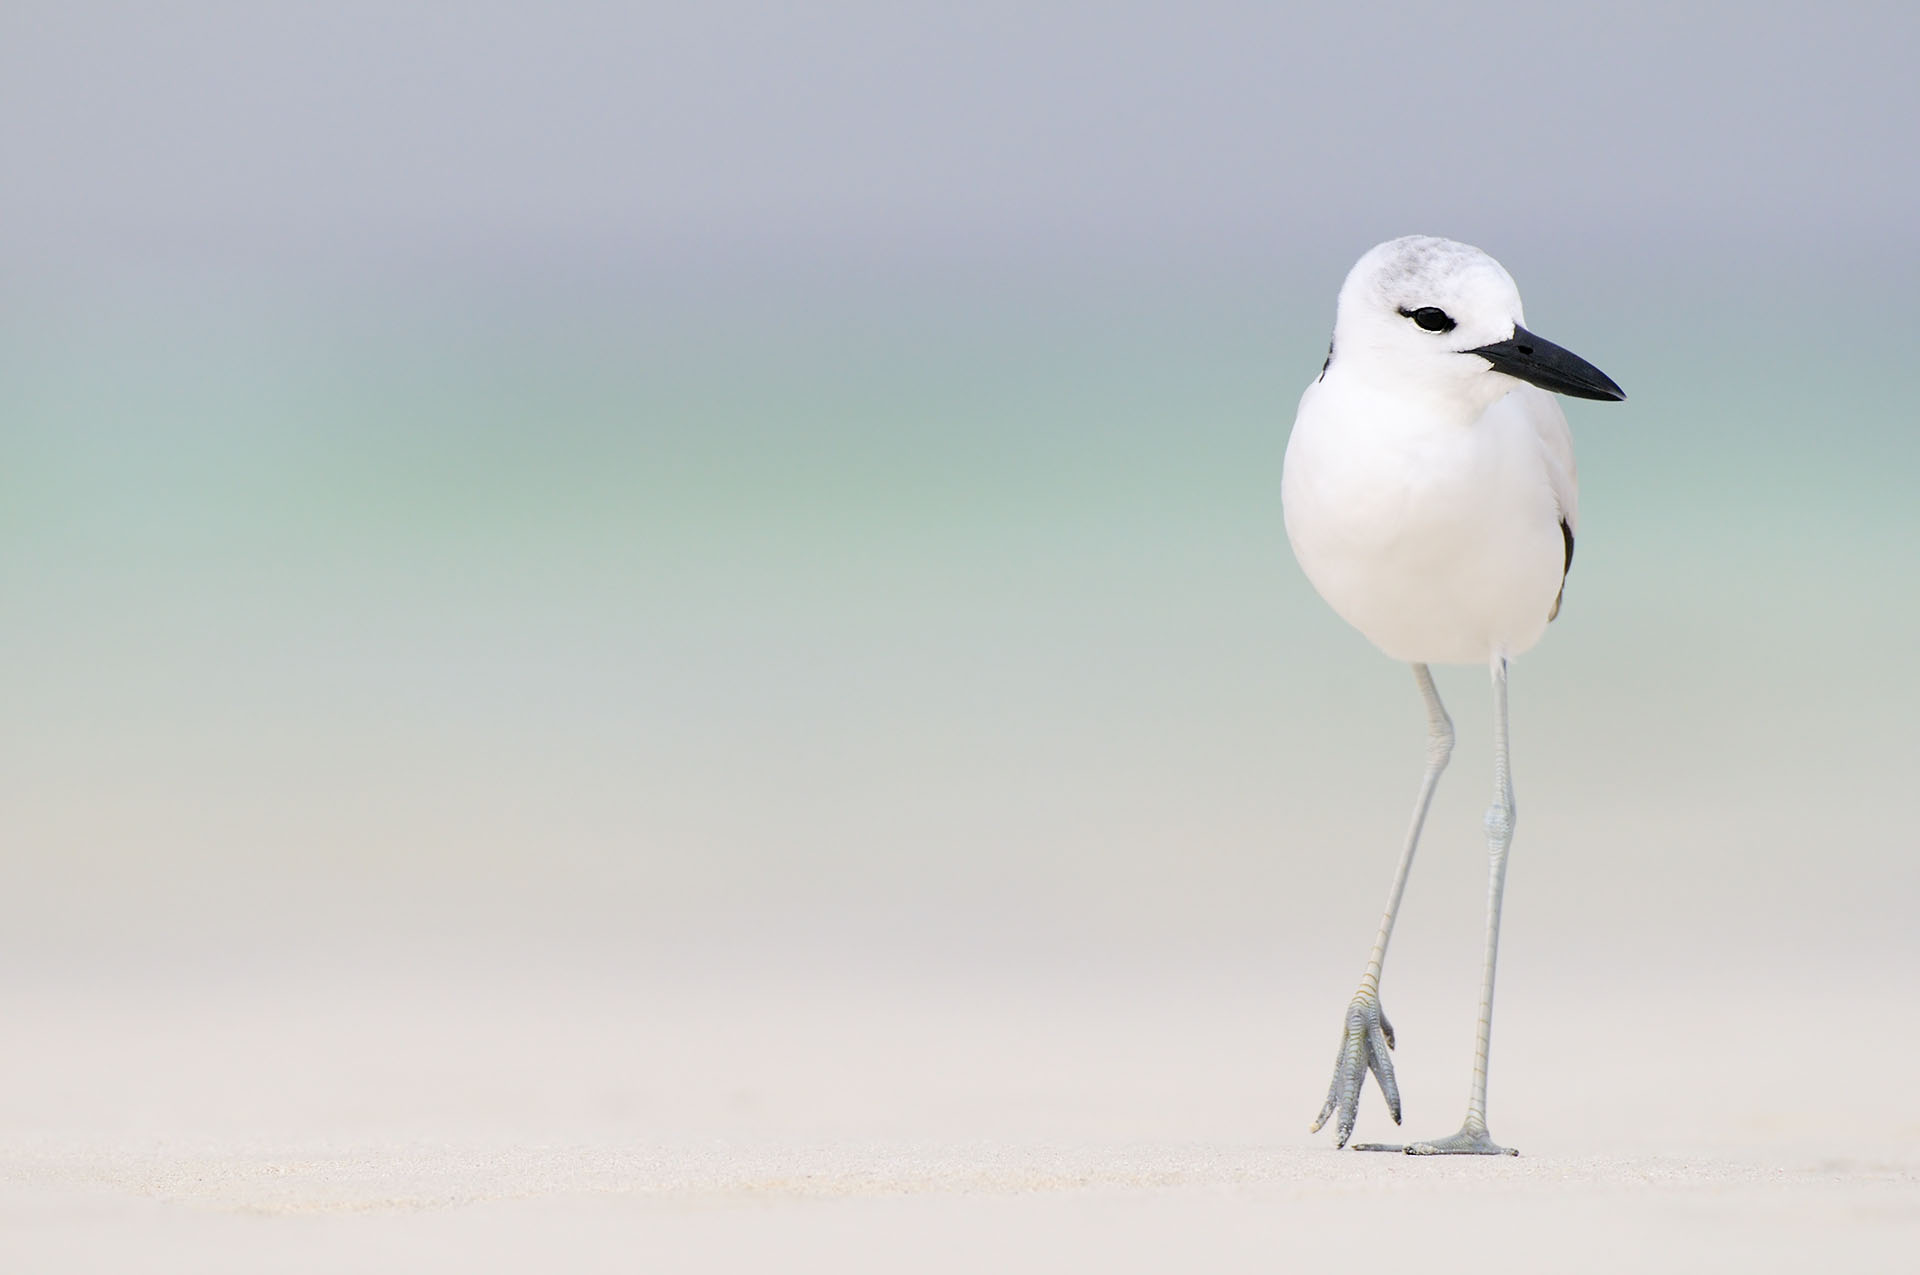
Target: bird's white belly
<point x="1442" y="546"/>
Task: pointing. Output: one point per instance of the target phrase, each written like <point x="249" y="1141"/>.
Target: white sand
<point x="193" y="1123"/>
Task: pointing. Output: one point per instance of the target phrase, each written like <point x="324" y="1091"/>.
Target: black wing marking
<point x="1327" y="364"/>
<point x="1566" y="534"/>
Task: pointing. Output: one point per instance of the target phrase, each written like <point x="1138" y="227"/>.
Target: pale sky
<point x="292" y="135"/>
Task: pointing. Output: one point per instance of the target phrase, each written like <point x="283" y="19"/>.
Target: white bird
<point x="1430" y="498"/>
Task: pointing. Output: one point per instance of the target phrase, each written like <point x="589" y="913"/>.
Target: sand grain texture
<point x="857" y="1125"/>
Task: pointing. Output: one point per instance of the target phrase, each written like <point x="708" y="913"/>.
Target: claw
<point x="1381" y="1064"/>
<point x="1363" y="1049"/>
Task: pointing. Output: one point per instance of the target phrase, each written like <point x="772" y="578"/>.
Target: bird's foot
<point x="1471" y="1140"/>
<point x="1364" y="1048"/>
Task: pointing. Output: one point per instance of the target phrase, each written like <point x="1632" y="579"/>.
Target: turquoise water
<point x="901" y="614"/>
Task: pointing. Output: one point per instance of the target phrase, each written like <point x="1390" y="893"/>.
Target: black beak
<point x="1537" y="362"/>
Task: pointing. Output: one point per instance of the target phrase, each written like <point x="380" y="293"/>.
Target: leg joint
<point x="1500" y="820"/>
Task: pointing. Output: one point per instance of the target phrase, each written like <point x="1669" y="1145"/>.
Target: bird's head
<point x="1442" y="319"/>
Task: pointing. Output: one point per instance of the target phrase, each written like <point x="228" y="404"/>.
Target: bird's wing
<point x="1542" y="411"/>
<point x="1556" y="444"/>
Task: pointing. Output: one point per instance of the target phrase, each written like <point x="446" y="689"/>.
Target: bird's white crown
<point x="1410" y="311"/>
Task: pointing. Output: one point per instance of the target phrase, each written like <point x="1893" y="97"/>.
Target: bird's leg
<point x="1473" y="1138"/>
<point x="1368" y="1035"/>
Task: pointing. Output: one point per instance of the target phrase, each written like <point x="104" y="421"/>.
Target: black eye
<point x="1430" y="318"/>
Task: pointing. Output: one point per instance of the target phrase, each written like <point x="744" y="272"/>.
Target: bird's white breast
<point x="1438" y="539"/>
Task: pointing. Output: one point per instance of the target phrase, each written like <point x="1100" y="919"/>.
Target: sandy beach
<point x="875" y="1127"/>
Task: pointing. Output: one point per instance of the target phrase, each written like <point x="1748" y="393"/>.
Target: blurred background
<point x="722" y="496"/>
